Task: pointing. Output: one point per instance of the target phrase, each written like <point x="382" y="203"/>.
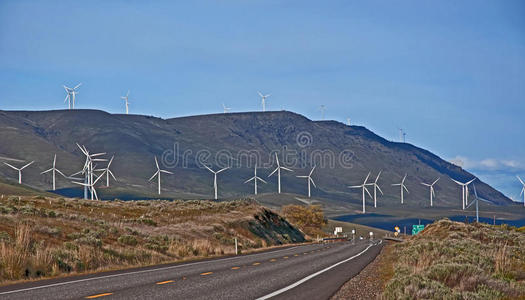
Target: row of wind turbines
<point x="92" y="175"/>
<point x="72" y="92"/>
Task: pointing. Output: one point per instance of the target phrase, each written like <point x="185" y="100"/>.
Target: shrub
<point x="128" y="240"/>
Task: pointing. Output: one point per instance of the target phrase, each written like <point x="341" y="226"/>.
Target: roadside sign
<point x="338" y="230"/>
<point x="417" y="229"/>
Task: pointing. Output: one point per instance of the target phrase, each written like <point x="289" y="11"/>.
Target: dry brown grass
<point x="310" y="219"/>
<point x="452" y="260"/>
<point x="41" y="237"/>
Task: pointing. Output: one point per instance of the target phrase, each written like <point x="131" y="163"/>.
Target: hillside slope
<point x="343" y="155"/>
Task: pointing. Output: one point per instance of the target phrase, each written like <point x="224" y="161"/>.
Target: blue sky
<point x="451" y="73"/>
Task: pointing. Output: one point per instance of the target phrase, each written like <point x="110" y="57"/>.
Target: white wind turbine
<point x="309" y="180"/>
<point x="91" y="186"/>
<point x="403" y="187"/>
<point x="464" y="190"/>
<point x="53" y="170"/>
<point x="477" y="204"/>
<point x="71" y="93"/>
<point x="107" y="171"/>
<point x="88" y="169"/>
<point x="126" y="98"/>
<point x="278" y="170"/>
<point x="363" y="187"/>
<point x="215" y="178"/>
<point x="263" y="100"/>
<point x="322" y="108"/>
<point x="376" y="187"/>
<point x="348" y="121"/>
<point x="432" y="192"/>
<point x="159" y="170"/>
<point x="255" y="178"/>
<point x="522" y="189"/>
<point x="19" y="170"/>
<point x="225" y="109"/>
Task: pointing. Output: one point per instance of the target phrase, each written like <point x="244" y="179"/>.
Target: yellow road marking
<point x="207" y="273"/>
<point x="296" y="255"/>
<point x="273" y="259"/>
<point x="255" y="264"/>
<point x="183" y="278"/>
<point x="305" y="253"/>
<point x="164" y="282"/>
<point x="236" y="268"/>
<point x="285" y="257"/>
<point x="99" y="295"/>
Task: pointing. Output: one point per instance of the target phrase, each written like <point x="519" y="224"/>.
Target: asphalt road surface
<point x="304" y="272"/>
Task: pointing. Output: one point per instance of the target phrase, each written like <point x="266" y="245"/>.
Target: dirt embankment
<point x="42" y="237"/>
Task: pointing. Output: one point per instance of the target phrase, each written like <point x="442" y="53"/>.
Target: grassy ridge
<point x="452" y="260"/>
<point x="43" y="236"/>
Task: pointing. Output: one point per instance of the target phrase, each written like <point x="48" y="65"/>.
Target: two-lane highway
<point x="304" y="272"/>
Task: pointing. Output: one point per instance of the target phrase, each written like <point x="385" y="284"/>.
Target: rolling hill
<point x="343" y="155"/>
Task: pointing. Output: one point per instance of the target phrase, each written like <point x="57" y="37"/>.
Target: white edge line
<point x="139" y="272"/>
<point x="312" y="275"/>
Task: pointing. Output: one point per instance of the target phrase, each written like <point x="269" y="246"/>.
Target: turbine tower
<point x="348" y="121"/>
<point x="363" y="187"/>
<point x="432" y="192"/>
<point x="464" y="191"/>
<point x="88" y="169"/>
<point x="108" y="172"/>
<point x="309" y="180"/>
<point x="403" y="187"/>
<point x="215" y="177"/>
<point x="376" y="187"/>
<point x="278" y="170"/>
<point x="54" y="170"/>
<point x="263" y="100"/>
<point x="225" y="109"/>
<point x="522" y="189"/>
<point x="19" y="170"/>
<point x="125" y="98"/>
<point x="255" y="178"/>
<point x="322" y="108"/>
<point x="71" y="93"/>
<point x="159" y="170"/>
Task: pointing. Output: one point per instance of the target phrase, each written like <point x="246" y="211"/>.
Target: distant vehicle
<point x="360" y="237"/>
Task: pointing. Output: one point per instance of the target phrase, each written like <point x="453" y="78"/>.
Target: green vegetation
<point x="452" y="260"/>
<point x="46" y="236"/>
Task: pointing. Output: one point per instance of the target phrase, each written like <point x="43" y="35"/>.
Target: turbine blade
<point x="110" y="161"/>
<point x="261" y="179"/>
<point x="379" y="174"/>
<point x="470" y="181"/>
<point x="460" y="183"/>
<point x="154" y="175"/>
<point x="209" y="169"/>
<point x="367" y="192"/>
<point x="167" y="172"/>
<point x="111" y="173"/>
<point x="523" y="183"/>
<point x="46" y="171"/>
<point x="379" y="189"/>
<point x="273" y="172"/>
<point x="11" y="166"/>
<point x="286" y="169"/>
<point x="471" y="202"/>
<point x="406" y="189"/>
<point x="253" y="178"/>
<point x="157" y="163"/>
<point x="475" y="192"/>
<point x="436" y="181"/>
<point x="310" y="178"/>
<point x="223" y="169"/>
<point x="301" y="176"/>
<point x="355" y="186"/>
<point x="396" y="184"/>
<point x="312" y="170"/>
<point x="366" y="179"/>
<point x="78" y="85"/>
<point x="26" y="165"/>
<point x="59" y="172"/>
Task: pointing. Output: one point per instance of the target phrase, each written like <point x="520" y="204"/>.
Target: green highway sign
<point x="417" y="229"/>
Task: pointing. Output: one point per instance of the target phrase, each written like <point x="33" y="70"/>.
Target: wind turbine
<point x="464" y="190"/>
<point x="19" y="170"/>
<point x="88" y="169"/>
<point x="107" y="171"/>
<point x="91" y="186"/>
<point x="255" y="178"/>
<point x="376" y="187"/>
<point x="403" y="187"/>
<point x="125" y="98"/>
<point x="363" y="186"/>
<point x="158" y="173"/>
<point x="322" y="108"/>
<point x="53" y="170"/>
<point x="432" y="192"/>
<point x="226" y="109"/>
<point x="477" y="204"/>
<point x="278" y="170"/>
<point x="309" y="180"/>
<point x="263" y="100"/>
<point x="71" y="93"/>
<point x="522" y="190"/>
<point x="215" y="177"/>
<point x="348" y="121"/>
